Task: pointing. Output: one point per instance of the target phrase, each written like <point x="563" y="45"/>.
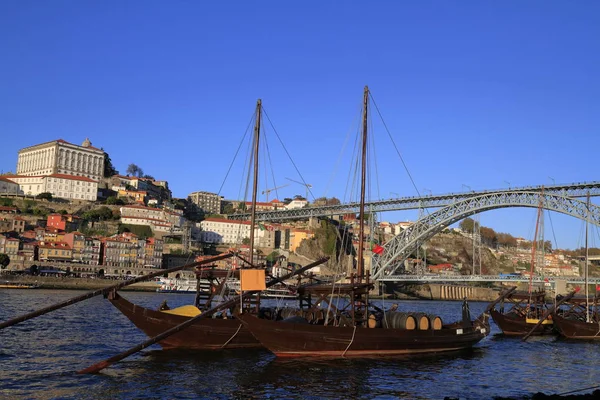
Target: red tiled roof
<point x="2" y="178"/>
<point x="73" y="177"/>
<point x="6" y="208"/>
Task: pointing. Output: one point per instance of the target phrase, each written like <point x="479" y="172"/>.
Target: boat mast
<point x="534" y="243"/>
<point x="255" y="182"/>
<point x="587" y="223"/>
<point x="363" y="176"/>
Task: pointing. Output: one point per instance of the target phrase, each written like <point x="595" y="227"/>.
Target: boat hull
<point x="512" y="325"/>
<point x="206" y="334"/>
<point x="574" y="329"/>
<point x="286" y="339"/>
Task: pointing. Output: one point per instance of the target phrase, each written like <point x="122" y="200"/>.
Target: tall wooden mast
<point x="587" y="253"/>
<point x="363" y="177"/>
<point x="255" y="182"/>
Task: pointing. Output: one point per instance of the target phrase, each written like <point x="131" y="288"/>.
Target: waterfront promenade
<point x="70" y="283"/>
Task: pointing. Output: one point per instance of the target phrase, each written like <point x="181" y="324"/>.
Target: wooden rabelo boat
<point x="525" y="313"/>
<point x="519" y="312"/>
<point x="221" y="330"/>
<point x="579" y="318"/>
<point x="326" y="325"/>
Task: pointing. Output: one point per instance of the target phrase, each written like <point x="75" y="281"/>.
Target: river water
<point x="39" y="359"/>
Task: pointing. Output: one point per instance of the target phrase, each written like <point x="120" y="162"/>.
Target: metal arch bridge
<point x="397" y="250"/>
<point x="484" y="278"/>
<point x="580" y="189"/>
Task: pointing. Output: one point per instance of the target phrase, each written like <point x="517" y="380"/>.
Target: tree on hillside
<point x="467" y="224"/>
<point x="148" y="177"/>
<point x="113" y="200"/>
<point x="506" y="240"/>
<point x="4" y="260"/>
<point x="109" y="169"/>
<point x="44" y="196"/>
<point x="134" y="170"/>
<point x="488" y="236"/>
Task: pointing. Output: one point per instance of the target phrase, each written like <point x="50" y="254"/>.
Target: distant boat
<point x="178" y="285"/>
<point x="13" y="285"/>
<point x="580" y="318"/>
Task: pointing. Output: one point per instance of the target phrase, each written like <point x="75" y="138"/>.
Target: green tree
<point x="4" y="260"/>
<point x="109" y="169"/>
<point x="228" y="209"/>
<point x="134" y="170"/>
<point x="114" y="200"/>
<point x="246" y="240"/>
<point x="44" y="196"/>
<point x="467" y="224"/>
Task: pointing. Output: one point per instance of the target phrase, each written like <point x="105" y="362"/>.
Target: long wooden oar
<point x="97" y="292"/>
<point x="548" y="312"/>
<point x="109" y="361"/>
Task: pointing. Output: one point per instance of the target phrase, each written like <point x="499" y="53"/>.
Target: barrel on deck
<point x="373" y="321"/>
<point x="423" y="323"/>
<point x="436" y="322"/>
<point x="399" y="320"/>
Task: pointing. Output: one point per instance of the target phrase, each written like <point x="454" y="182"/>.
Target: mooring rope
<point x="351" y="341"/>
<point x="231" y="338"/>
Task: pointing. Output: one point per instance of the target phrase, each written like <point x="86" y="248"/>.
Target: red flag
<point x="546" y="280"/>
<point x="377" y="249"/>
<point x="597" y="288"/>
<point x="577" y="289"/>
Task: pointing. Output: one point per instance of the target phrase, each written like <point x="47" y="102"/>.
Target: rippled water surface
<point x="39" y="358"/>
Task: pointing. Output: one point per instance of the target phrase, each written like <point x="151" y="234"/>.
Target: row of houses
<point x="269" y="236"/>
<point x="120" y="251"/>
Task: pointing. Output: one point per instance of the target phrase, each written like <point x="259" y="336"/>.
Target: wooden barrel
<point x="423" y="323"/>
<point x="436" y="322"/>
<point x="399" y="320"/>
<point x="373" y="322"/>
<point x="287" y="312"/>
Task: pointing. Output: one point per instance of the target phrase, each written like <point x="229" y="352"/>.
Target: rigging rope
<point x="351" y="341"/>
<point x="395" y="147"/>
<point x="288" y="154"/>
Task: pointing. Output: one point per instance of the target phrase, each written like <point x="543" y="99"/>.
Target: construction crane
<point x="267" y="191"/>
<point x="307" y="185"/>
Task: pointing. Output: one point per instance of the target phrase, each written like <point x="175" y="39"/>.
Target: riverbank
<point x="51" y="282"/>
<point x="430" y="291"/>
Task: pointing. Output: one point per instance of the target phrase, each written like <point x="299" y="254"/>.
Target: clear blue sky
<point x="474" y="93"/>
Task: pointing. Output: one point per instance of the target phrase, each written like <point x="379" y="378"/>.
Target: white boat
<point x="176" y="285"/>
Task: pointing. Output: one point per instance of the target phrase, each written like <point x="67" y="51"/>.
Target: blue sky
<point x="473" y="93"/>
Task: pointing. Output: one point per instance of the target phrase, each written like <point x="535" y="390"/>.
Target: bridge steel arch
<point x="397" y="250"/>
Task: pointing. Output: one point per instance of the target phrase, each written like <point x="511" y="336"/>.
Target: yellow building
<point x="54" y="251"/>
<point x="297" y="236"/>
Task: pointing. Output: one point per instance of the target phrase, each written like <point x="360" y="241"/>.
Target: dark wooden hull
<point x="574" y="329"/>
<point x="513" y="325"/>
<point x="206" y="334"/>
<point x="286" y="339"/>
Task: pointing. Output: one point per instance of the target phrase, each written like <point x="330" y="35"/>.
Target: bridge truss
<point x="397" y="250"/>
<point x="486" y="278"/>
<point x="580" y="189"/>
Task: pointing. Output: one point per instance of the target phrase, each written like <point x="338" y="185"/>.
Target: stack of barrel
<point x="407" y="320"/>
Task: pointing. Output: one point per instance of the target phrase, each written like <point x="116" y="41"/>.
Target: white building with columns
<point x="59" y="185"/>
<point x="62" y="157"/>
